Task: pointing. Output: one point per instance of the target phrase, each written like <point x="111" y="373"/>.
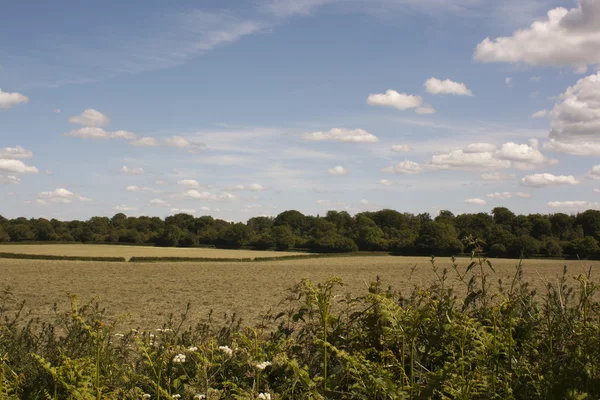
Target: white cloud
<point x="565" y="38"/>
<point x="594" y="173"/>
<point x="337" y="170"/>
<point x="132" y="188"/>
<point x="59" y="196"/>
<point x="16" y="167"/>
<point x="123" y="208"/>
<point x="540" y="114"/>
<point x="458" y="159"/>
<point x="577" y="148"/>
<point x="57" y="110"/>
<point x="364" y="202"/>
<point x="9" y="180"/>
<point x="190" y="211"/>
<point x="596" y="190"/>
<point x="447" y="86"/>
<point x="386" y="182"/>
<point x="341" y="135"/>
<point x="479" y="148"/>
<point x="131" y="171"/>
<point x="391" y="98"/>
<point x="572" y="204"/>
<point x="404" y="167"/>
<point x="189" y="183"/>
<point x="7" y="100"/>
<point x="500" y="195"/>
<point x="544" y="180"/>
<point x="476" y="202"/>
<point x="425" y="110"/>
<point x="193" y="194"/>
<point x="401" y="148"/>
<point x="158" y="202"/>
<point x="90" y="118"/>
<point x="522" y="195"/>
<point x="251" y="187"/>
<point x="99" y="133"/>
<point x="577" y="117"/>
<point x="145" y="142"/>
<point x="497" y="176"/>
<point x="15" y="152"/>
<point x="523" y="156"/>
<point x="183" y="144"/>
<point x="204" y="208"/>
<point x="508" y="80"/>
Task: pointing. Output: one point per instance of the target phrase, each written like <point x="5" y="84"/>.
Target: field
<point x="93" y="250"/>
<point x="149" y="292"/>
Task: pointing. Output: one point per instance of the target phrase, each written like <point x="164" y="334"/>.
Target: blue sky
<point x="245" y="108"/>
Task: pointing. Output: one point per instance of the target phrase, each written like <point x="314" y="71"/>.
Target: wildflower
<point x="264" y="396"/>
<point x="193" y="348"/>
<point x="226" y="349"/>
<point x="119" y="335"/>
<point x="179" y="358"/>
<point x="200" y="396"/>
<point x="146" y="396"/>
<point x="176" y="396"/>
<point x="263" y="365"/>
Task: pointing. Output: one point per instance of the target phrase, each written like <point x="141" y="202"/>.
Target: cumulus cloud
<point x="11" y="166"/>
<point x="7" y="100"/>
<point x="447" y="86"/>
<point x="479" y="148"/>
<point x="594" y="173"/>
<point x="401" y="148"/>
<point x="90" y="118"/>
<point x="405" y="167"/>
<point x="131" y="171"/>
<point x="182" y="143"/>
<point x="145" y="142"/>
<point x="99" y="133"/>
<point x="190" y="211"/>
<point x="564" y="38"/>
<point x="158" y="202"/>
<point x="59" y="196"/>
<point x="9" y="180"/>
<point x="193" y="194"/>
<point x="458" y="159"/>
<point x="426" y="109"/>
<point x="15" y="152"/>
<point x="575" y="119"/>
<point x="399" y="101"/>
<point x="386" y="182"/>
<point x="540" y="114"/>
<point x="523" y="156"/>
<point x="123" y="208"/>
<point x="497" y="176"/>
<point x="337" y="170"/>
<point x="132" y="188"/>
<point x="251" y="187"/>
<point x="189" y="183"/>
<point x="544" y="180"/>
<point x="476" y="202"/>
<point x="578" y="148"/>
<point x="572" y="204"/>
<point x="500" y="195"/>
<point x="522" y="195"/>
<point x="341" y="135"/>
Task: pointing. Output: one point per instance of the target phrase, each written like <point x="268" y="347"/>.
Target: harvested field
<point x="94" y="250"/>
<point x="149" y="292"/>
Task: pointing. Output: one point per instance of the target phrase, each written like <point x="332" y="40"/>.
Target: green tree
<point x="170" y="236"/>
<point x="237" y="235"/>
<point x="20" y="232"/>
<point x="283" y="237"/>
<point x="438" y="238"/>
<point x="368" y="235"/>
<point x="525" y="245"/>
<point x="43" y="230"/>
<point x="4" y="237"/>
<point x="583" y="247"/>
<point x="552" y="247"/>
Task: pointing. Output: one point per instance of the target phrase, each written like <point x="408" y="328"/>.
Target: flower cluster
<point x="179" y="358"/>
<point x="264" y="396"/>
<point x="226" y="349"/>
<point x="193" y="348"/>
<point x="263" y="365"/>
<point x="200" y="396"/>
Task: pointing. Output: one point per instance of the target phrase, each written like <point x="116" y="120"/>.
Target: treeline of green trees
<point x="504" y="233"/>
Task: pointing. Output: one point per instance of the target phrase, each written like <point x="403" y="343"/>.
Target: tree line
<point x="504" y="233"/>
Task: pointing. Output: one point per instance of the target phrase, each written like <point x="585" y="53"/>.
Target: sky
<point x="248" y="108"/>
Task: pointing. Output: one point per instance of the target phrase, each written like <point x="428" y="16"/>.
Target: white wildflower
<point x="179" y="358"/>
<point x="193" y="348"/>
<point x="176" y="396"/>
<point x="200" y="396"/>
<point x="264" y="396"/>
<point x="146" y="396"/>
<point x="226" y="349"/>
<point x="119" y="335"/>
<point x="263" y="365"/>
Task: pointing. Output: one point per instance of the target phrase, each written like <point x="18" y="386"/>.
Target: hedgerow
<point x="24" y="256"/>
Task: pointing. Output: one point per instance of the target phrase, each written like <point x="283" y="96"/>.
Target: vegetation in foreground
<point x="504" y="233"/>
<point x="513" y="344"/>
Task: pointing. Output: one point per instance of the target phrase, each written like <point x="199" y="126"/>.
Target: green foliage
<point x="432" y="342"/>
<point x="23" y="256"/>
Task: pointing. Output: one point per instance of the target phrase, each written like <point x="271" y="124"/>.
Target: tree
<point x="118" y="221"/>
<point x="590" y="222"/>
<point x="3" y="235"/>
<point x="260" y="225"/>
<point x="502" y="216"/>
<point x="497" y="250"/>
<point x="368" y="235"/>
<point x="283" y="237"/>
<point x="552" y="247"/>
<point x="44" y="230"/>
<point x="583" y="247"/>
<point x="562" y="226"/>
<point x="20" y="232"/>
<point x="170" y="236"/>
<point x="540" y="226"/>
<point x="525" y="245"/>
<point x="292" y="218"/>
<point x="237" y="235"/>
<point x="438" y="238"/>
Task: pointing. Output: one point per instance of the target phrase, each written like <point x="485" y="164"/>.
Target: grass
<point x="94" y="250"/>
<point x="149" y="292"/>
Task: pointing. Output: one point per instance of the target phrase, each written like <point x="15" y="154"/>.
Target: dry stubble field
<point x="149" y="292"/>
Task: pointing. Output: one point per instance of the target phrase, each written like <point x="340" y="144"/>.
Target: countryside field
<point x="149" y="292"/>
<point x="93" y="250"/>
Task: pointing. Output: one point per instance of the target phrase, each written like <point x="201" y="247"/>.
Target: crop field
<point x="93" y="250"/>
<point x="149" y="292"/>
